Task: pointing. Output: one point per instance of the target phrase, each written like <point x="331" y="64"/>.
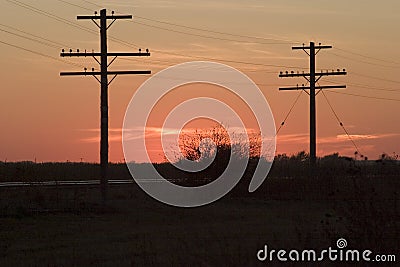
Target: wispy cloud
<point x="118" y="130"/>
<point x="304" y="138"/>
<point x="366" y="136"/>
<point x="115" y="134"/>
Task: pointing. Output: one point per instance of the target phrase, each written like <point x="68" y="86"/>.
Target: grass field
<point x="65" y="226"/>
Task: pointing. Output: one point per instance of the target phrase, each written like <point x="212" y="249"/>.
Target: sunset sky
<point x="50" y="118"/>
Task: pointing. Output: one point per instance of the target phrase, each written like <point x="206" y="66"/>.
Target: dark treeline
<point x="295" y="166"/>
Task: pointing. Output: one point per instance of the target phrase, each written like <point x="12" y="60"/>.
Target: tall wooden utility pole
<point x="104" y="64"/>
<point x="312" y="80"/>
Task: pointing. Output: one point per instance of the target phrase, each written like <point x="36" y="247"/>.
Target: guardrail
<point x="62" y="183"/>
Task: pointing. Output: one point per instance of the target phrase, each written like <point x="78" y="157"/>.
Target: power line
<point x="365" y="56"/>
<point x="229" y="61"/>
<point x="341" y="124"/>
<point x="365" y="96"/>
<point x="178" y="54"/>
<point x="188" y="33"/>
<point x="241" y="36"/>
<point x="217" y="32"/>
<point x="202" y="29"/>
<point x="36" y="36"/>
<point x="226" y="60"/>
<point x="129" y="44"/>
<point x="92" y="3"/>
<point x="368" y="87"/>
<point x="363" y="61"/>
<point x="246" y="36"/>
<point x="40" y="54"/>
<point x="206" y="36"/>
<point x="286" y="117"/>
<point x="374" y="78"/>
<point x="290" y="111"/>
<point x="200" y="57"/>
<point x="169" y="63"/>
<point x="46" y="42"/>
<point x="65" y="21"/>
<point x="74" y="5"/>
<point x="31" y="39"/>
<point x="360" y="86"/>
<point x="174" y="78"/>
<point x="50" y="15"/>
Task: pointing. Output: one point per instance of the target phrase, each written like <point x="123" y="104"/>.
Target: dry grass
<point x="40" y="230"/>
<point x="64" y="226"/>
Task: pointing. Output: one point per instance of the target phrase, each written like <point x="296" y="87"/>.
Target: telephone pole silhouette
<point x="104" y="72"/>
<point x="312" y="78"/>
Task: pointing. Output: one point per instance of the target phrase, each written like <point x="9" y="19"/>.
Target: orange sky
<point x="54" y="118"/>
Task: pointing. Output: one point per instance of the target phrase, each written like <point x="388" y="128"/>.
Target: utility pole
<point x="312" y="80"/>
<point x="104" y="64"/>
